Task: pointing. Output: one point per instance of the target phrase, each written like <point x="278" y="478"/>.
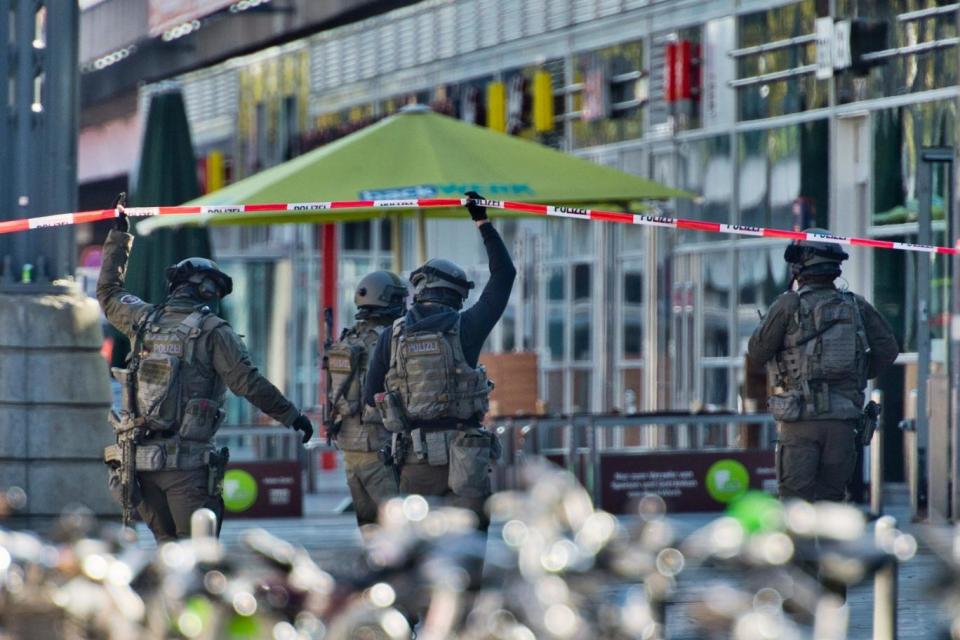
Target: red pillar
<point x="328" y="298"/>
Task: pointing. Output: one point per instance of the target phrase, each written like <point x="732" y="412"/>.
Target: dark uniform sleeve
<point x="232" y="362"/>
<point x="377" y="369"/>
<point x="122" y="308"/>
<point x="883" y="344"/>
<point x="478" y="321"/>
<point x="767" y="339"/>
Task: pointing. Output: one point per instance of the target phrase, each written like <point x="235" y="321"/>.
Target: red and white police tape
<point x="13" y="226"/>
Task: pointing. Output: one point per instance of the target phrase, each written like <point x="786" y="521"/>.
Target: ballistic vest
<point x="361" y="428"/>
<point x="431" y="376"/>
<point x="179" y="394"/>
<point x="825" y="355"/>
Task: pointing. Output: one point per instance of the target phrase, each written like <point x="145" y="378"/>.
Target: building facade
<point x="737" y="101"/>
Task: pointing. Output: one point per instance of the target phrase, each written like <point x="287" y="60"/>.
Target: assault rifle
<point x="329" y="423"/>
<point x="129" y="425"/>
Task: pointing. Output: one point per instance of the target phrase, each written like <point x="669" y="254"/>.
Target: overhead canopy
<point x="421" y="154"/>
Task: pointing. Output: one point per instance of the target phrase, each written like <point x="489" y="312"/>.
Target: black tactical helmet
<point x="441" y="281"/>
<point x="807" y="253"/>
<point x="381" y="293"/>
<point x="197" y="270"/>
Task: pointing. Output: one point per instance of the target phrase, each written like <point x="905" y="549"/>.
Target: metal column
<point x="38" y="131"/>
<point x="936" y="437"/>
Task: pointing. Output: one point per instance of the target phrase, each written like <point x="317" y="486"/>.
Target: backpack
<point x="431" y="376"/>
<point x="824" y="359"/>
<point x="166" y="367"/>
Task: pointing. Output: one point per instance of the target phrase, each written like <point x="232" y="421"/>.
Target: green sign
<point x="239" y="490"/>
<point x="727" y="479"/>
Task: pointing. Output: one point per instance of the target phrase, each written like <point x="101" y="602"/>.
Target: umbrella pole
<point x="421" y="236"/>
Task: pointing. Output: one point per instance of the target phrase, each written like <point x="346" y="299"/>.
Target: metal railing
<point x="257" y="442"/>
<point x="578" y="442"/>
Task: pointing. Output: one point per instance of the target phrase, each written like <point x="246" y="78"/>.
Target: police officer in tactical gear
<point x="380" y="299"/>
<point x="820" y="345"/>
<point x="186" y="357"/>
<point x="425" y="379"/>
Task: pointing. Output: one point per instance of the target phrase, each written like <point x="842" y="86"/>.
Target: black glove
<point x="302" y="423"/>
<point x="477" y="212"/>
<point x="123" y="221"/>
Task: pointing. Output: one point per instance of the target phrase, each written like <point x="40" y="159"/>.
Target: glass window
<point x="631" y="236"/>
<point x="780" y="166"/>
<point x="582" y="332"/>
<point x="897" y="75"/>
<point x="716" y="382"/>
<point x="632" y="306"/>
<point x="791" y="95"/>
<point x="898" y="136"/>
<point x="706" y="169"/>
<point x="555" y="280"/>
<point x="508" y="324"/>
<point x="582" y="236"/>
<point x="555" y="393"/>
<point x="632" y="380"/>
<point x="555" y="333"/>
<point x="582" y="284"/>
<point x="626" y="96"/>
<point x="763" y="275"/>
<point x="386" y="234"/>
<point x="581" y="391"/>
<point x="557" y="233"/>
<point x="357" y="236"/>
<point x="717" y="284"/>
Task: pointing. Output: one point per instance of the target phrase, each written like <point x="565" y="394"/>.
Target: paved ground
<point x="333" y="539"/>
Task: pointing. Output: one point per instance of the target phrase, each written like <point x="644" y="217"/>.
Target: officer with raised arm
<point x="820" y="345"/>
<point x="425" y="379"/>
<point x="183" y="358"/>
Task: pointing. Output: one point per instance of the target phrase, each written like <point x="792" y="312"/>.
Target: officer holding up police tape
<point x="425" y="379"/>
<point x="183" y="358"/>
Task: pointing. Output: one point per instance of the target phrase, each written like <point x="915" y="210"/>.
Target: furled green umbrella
<point x="167" y="175"/>
<point x="421" y="154"/>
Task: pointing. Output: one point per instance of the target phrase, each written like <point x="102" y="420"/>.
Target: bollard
<point x="911" y="454"/>
<point x="203" y="525"/>
<point x="876" y="459"/>
<point x="885" y="588"/>
<point x="831" y="619"/>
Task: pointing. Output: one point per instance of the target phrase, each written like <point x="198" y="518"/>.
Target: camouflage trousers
<point x="815" y="459"/>
<point x="371" y="483"/>
<point x="171" y="497"/>
<point x="433" y="480"/>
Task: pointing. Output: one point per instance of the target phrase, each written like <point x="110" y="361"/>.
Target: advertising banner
<point x="687" y="481"/>
<point x="263" y="490"/>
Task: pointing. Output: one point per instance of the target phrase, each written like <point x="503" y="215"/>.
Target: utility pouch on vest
<point x="151" y="457"/>
<point x="786" y="406"/>
<point x="345" y="362"/>
<point x="435" y="443"/>
<point x="158" y="390"/>
<point x="391" y="410"/>
<point x="127" y="401"/>
<point x="201" y="418"/>
<point x="113" y="455"/>
<point x="470" y="457"/>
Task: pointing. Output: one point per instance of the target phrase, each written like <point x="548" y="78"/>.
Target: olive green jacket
<point x="219" y="349"/>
